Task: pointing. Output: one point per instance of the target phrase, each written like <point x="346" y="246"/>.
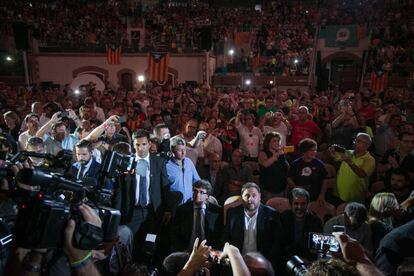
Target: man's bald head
<point x="258" y="264"/>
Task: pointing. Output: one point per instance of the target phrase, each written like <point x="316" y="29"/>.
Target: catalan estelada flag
<point x="379" y="81"/>
<point x="157" y="69"/>
<point x="113" y="54"/>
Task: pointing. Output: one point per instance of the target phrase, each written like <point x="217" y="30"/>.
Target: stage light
<point x="141" y="78"/>
<point x="271" y="82"/>
<point x="231" y="52"/>
<point x="9" y="58"/>
<point x="296" y="61"/>
<point x="77" y="92"/>
<point x="248" y="82"/>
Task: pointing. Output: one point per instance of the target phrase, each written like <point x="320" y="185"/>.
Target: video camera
<point x="320" y="243"/>
<point x="296" y="267"/>
<point x="61" y="160"/>
<point x="114" y="163"/>
<point x="42" y="218"/>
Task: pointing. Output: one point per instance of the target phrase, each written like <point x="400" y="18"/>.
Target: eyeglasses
<point x="199" y="192"/>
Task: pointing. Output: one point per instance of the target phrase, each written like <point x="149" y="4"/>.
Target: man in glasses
<point x="198" y="218"/>
<point x="356" y="168"/>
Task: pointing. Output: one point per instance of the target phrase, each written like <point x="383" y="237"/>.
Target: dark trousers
<point x="143" y="221"/>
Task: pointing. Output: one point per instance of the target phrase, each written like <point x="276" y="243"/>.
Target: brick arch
<point x="91" y="69"/>
<point x="127" y="70"/>
<point x="342" y="54"/>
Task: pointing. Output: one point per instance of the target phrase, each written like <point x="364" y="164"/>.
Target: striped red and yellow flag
<point x="379" y="81"/>
<point x="157" y="69"/>
<point x="113" y="54"/>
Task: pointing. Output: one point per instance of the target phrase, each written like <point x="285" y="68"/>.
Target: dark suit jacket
<point x="92" y="171"/>
<point x="268" y="232"/>
<point x="312" y="224"/>
<point x="182" y="226"/>
<point x="394" y="247"/>
<point x="158" y="190"/>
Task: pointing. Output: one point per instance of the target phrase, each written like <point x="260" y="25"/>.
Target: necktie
<point x="199" y="231"/>
<point x="142" y="171"/>
<point x="81" y="172"/>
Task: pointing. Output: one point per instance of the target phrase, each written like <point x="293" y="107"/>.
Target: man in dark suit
<point x="297" y="224"/>
<point x="254" y="227"/>
<point x="197" y="219"/>
<point x="141" y="195"/>
<point x="86" y="165"/>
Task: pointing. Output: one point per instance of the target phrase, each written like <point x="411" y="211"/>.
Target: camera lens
<point x="295" y="266"/>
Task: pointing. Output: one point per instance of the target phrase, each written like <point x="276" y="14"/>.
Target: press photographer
<point x="162" y="137"/>
<point x="33" y="262"/>
<point x="54" y="200"/>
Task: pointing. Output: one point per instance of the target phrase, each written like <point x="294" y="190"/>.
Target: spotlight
<point x="271" y="82"/>
<point x="296" y="61"/>
<point x="141" y="78"/>
<point x="77" y="92"/>
<point x="9" y="58"/>
<point x="248" y="82"/>
<point x="231" y="52"/>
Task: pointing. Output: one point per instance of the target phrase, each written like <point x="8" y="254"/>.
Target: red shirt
<point x="308" y="129"/>
<point x="367" y="112"/>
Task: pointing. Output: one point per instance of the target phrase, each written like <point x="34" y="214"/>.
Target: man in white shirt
<point x="250" y="136"/>
<point x="254" y="227"/>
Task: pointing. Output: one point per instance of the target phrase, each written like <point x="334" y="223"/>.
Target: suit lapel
<point x="152" y="172"/>
<point x="240" y="225"/>
<point x="260" y="224"/>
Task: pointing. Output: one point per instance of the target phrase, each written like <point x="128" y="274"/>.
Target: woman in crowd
<point x="273" y="167"/>
<point x="13" y="124"/>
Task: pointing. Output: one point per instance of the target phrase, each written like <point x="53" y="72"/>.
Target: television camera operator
<point x="162" y="137"/>
<point x="32" y="186"/>
<point x="31" y="261"/>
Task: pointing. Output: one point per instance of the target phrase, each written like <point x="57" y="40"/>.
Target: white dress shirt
<point x="250" y="233"/>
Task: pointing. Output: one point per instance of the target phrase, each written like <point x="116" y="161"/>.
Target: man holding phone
<point x="297" y="224"/>
<point x="356" y="168"/>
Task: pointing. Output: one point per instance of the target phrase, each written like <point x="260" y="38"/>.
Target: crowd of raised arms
<point x="219" y="181"/>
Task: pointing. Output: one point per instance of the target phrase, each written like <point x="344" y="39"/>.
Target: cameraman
<point x="80" y="260"/>
<point x="162" y="135"/>
<point x="36" y="144"/>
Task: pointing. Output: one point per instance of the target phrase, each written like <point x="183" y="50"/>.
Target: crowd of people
<point x="199" y="148"/>
<point x="63" y="23"/>
<point x="281" y="34"/>
<point x="238" y="179"/>
<point x="392" y="44"/>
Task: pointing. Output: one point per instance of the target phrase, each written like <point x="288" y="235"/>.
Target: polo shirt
<point x="351" y="187"/>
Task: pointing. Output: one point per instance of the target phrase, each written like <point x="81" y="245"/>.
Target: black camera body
<point x="114" y="163"/>
<point x="39" y="223"/>
<point x="41" y="219"/>
<point x="296" y="267"/>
